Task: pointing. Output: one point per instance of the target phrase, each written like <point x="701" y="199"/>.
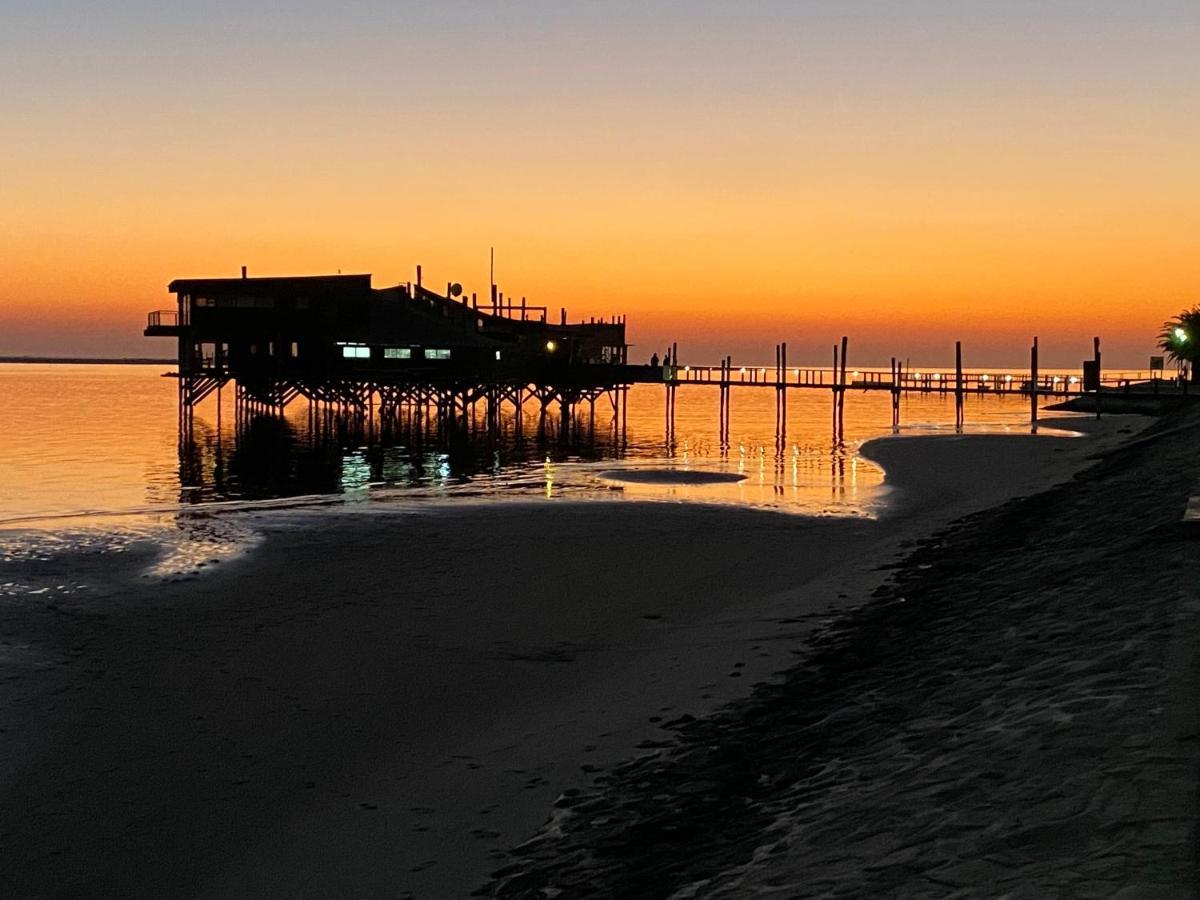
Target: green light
<point x="1181" y="335"/>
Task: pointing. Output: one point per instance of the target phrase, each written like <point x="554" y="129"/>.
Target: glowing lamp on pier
<point x="1072" y="380"/>
<point x="937" y="376"/>
<point x="1008" y="378"/>
<point x="984" y="377"/>
<point x="551" y="346"/>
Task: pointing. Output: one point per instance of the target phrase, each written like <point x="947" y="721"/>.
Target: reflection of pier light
<point x="548" y="467"/>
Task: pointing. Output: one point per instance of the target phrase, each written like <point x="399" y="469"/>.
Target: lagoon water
<point x="83" y="443"/>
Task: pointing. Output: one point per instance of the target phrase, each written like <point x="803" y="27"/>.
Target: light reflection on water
<point x="92" y="442"/>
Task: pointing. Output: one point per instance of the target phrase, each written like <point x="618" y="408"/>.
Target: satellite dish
<point x="455" y="289"/>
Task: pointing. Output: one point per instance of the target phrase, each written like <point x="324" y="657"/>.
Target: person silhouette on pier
<point x="654" y="360"/>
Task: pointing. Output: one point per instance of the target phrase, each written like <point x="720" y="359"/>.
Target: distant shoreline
<point x="89" y="360"/>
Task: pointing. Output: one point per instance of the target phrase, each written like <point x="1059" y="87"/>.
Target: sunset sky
<point x="727" y="174"/>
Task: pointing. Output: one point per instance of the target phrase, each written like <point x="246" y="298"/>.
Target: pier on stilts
<point x="406" y="363"/>
<point x="398" y="361"/>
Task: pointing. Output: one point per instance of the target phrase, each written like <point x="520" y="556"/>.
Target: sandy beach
<point x="389" y="704"/>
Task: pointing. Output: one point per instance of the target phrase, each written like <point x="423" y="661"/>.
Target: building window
<point x="356" y="351"/>
<point x="295" y="349"/>
<point x="205" y="301"/>
<point x="397" y="353"/>
<point x="430" y="353"/>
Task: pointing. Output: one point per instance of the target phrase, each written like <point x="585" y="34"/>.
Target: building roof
<point x="302" y="283"/>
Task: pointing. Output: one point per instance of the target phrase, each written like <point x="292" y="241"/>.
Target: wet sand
<point x="387" y="704"/>
<point x="1016" y="713"/>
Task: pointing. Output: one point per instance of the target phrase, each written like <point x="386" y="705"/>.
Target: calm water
<point x="91" y="442"/>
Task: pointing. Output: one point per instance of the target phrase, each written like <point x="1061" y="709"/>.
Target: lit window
<point x="397" y="353"/>
<point x="497" y="354"/>
<point x="356" y="351"/>
<point x="295" y="349"/>
<point x="430" y="353"/>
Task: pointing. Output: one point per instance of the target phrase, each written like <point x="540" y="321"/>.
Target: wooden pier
<point x="897" y="380"/>
<point x="395" y="361"/>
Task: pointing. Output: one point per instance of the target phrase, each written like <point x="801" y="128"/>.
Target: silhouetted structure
<point x="345" y="346"/>
<point x="428" y="361"/>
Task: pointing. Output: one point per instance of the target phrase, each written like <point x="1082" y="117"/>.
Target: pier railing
<point x="925" y="381"/>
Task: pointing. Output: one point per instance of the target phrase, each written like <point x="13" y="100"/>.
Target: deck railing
<point x="162" y="318"/>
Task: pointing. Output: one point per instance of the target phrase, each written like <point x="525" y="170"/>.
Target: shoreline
<point x="397" y="727"/>
<point x="1013" y="714"/>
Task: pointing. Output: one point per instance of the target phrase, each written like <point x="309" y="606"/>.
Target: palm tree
<point x="1180" y="337"/>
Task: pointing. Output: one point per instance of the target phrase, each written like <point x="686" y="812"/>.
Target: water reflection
<point x="121" y="456"/>
<point x="274" y="457"/>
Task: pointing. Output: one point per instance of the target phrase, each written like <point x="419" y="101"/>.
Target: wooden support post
<point x="958" y="386"/>
<point x="841" y="425"/>
<point x="779" y="412"/>
<point x="834" y="379"/>
<point x="1099" y="379"/>
<point x="895" y="394"/>
<point x="1033" y="385"/>
<point x="782" y="389"/>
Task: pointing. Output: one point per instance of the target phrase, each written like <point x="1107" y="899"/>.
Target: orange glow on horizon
<point x="914" y="180"/>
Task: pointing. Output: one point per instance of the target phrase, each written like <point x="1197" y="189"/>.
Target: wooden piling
<point x="895" y="394"/>
<point x="835" y="392"/>
<point x="841" y="426"/>
<point x="958" y="386"/>
<point x="781" y="392"/>
<point x="1033" y="385"/>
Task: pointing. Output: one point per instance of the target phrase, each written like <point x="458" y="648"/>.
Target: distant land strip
<point x="91" y="360"/>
